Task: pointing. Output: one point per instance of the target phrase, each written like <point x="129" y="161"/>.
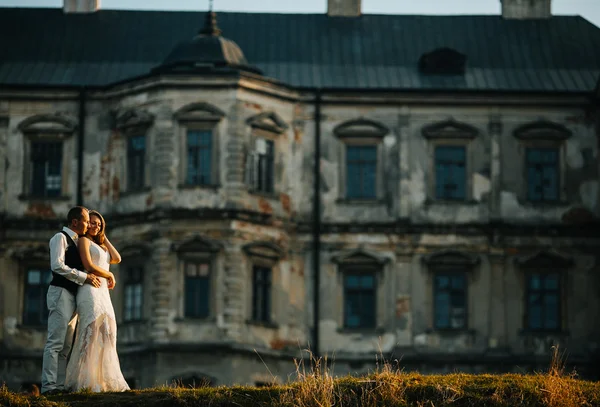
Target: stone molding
<point x="359" y="257"/>
<point x="48" y="123"/>
<point x="449" y="129"/>
<point x="269" y="121"/>
<point x="134" y="118"/>
<point x="450" y="257"/>
<point x="361" y="127"/>
<point x="542" y="130"/>
<point x="549" y="259"/>
<point x="199" y="111"/>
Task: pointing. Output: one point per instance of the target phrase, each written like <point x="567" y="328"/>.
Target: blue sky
<point x="590" y="9"/>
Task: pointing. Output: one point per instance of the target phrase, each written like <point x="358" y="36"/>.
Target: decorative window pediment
<point x="449" y="129"/>
<point x="359" y="257"/>
<point x="197" y="244"/>
<point x="360" y="128"/>
<point x="269" y="121"/>
<point x="47" y="123"/>
<point x="199" y="111"/>
<point x="443" y="61"/>
<point x="134" y="118"/>
<point x="545" y="259"/>
<point x="451" y="258"/>
<point x="266" y="250"/>
<point x="31" y="253"/>
<point x="135" y="250"/>
<point x="542" y="130"/>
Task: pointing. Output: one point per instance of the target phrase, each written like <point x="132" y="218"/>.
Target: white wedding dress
<point x="94" y="363"/>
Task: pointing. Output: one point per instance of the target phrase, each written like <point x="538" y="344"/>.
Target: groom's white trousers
<point x="61" y="328"/>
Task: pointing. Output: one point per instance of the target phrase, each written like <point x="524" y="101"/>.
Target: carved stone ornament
<point x="360" y="128"/>
<point x="134" y="118"/>
<point x="199" y="111"/>
<point x="545" y="259"/>
<point x="449" y="129"/>
<point x="266" y="250"/>
<point x="542" y="130"/>
<point x="47" y="123"/>
<point x="451" y="258"/>
<point x="269" y="121"/>
<point x="359" y="257"/>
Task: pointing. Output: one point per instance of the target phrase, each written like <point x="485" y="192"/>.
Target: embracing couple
<point x="78" y="299"/>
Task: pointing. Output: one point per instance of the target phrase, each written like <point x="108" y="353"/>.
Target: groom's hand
<point x="92" y="280"/>
<point x="111" y="281"/>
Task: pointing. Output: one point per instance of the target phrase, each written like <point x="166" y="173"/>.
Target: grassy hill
<point x="318" y="388"/>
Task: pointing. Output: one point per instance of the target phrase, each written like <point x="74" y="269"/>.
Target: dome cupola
<point x="207" y="50"/>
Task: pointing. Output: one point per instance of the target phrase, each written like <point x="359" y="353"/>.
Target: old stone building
<point x="454" y="224"/>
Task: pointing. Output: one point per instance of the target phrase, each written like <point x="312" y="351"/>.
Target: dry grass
<point x="315" y="386"/>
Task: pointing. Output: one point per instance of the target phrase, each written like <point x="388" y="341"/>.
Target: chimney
<point x="526" y="9"/>
<point x="343" y="8"/>
<point x="81" y="6"/>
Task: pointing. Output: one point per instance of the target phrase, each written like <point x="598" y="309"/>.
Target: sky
<point x="590" y="9"/>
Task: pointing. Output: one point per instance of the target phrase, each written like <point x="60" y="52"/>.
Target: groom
<point x="67" y="276"/>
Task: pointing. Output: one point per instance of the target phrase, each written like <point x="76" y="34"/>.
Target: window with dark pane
<point x="542" y="174"/>
<point x="265" y="161"/>
<point x="199" y="157"/>
<point x="450" y="172"/>
<point x="46" y="169"/>
<point x="261" y="294"/>
<point x="450" y="300"/>
<point x="543" y="301"/>
<point x="197" y="289"/>
<point x="361" y="172"/>
<point x="359" y="299"/>
<point x="35" y="309"/>
<point x="136" y="166"/>
<point x="134" y="293"/>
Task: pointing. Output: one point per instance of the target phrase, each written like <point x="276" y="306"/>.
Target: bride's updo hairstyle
<point x="99" y="238"/>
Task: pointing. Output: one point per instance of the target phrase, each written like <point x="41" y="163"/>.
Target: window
<point x="542" y="168"/>
<point x="261" y="294"/>
<point x="543" y="301"/>
<point x="136" y="162"/>
<point x="450" y="172"/>
<point x="359" y="299"/>
<point x="450" y="300"/>
<point x="35" y="310"/>
<point x="199" y="157"/>
<point x="46" y="168"/>
<point x="262" y="164"/>
<point x="361" y="171"/>
<point x="133" y="293"/>
<point x="197" y="289"/>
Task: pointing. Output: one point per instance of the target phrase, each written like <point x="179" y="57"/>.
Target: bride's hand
<point x="111" y="281"/>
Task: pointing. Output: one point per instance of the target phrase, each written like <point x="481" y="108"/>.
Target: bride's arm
<point x="115" y="257"/>
<point x="84" y="252"/>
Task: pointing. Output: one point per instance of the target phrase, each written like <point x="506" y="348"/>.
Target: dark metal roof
<point x="561" y="54"/>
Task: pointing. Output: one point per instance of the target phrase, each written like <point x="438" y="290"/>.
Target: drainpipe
<point x="80" y="145"/>
<point x="317" y="225"/>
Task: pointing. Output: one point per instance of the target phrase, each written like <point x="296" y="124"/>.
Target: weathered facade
<point x="456" y="230"/>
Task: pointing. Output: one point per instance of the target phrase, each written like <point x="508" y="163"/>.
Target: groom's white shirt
<point x="58" y="247"/>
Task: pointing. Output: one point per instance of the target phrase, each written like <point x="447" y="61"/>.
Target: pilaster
<point x="495" y="131"/>
<point x="235" y="157"/>
<point x="162" y="277"/>
<point x="403" y="159"/>
<point x="3" y="141"/>
<point x="165" y="159"/>
<point x="233" y="293"/>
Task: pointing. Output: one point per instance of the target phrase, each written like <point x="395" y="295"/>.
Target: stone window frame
<point x="360" y="260"/>
<point x="263" y="254"/>
<point x="543" y="134"/>
<point x="131" y="123"/>
<point x="197" y="249"/>
<point x="199" y="116"/>
<point x="48" y="128"/>
<point x="545" y="261"/>
<point x="265" y="126"/>
<point x="361" y="132"/>
<point x="134" y="255"/>
<point x="449" y="133"/>
<point x="451" y="261"/>
<point x="27" y="258"/>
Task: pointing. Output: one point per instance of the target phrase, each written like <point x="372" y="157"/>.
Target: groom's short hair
<point x="75" y="213"/>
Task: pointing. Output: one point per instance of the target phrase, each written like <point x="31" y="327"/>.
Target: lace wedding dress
<point x="94" y="363"/>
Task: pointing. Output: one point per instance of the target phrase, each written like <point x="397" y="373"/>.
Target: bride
<point x="94" y="363"/>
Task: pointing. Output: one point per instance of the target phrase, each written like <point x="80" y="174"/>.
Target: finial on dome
<point x="210" y="22"/>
